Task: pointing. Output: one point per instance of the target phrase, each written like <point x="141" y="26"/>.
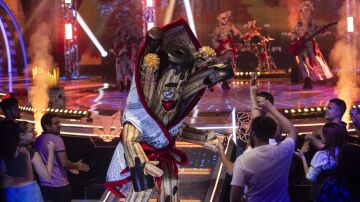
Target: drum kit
<point x="253" y="54"/>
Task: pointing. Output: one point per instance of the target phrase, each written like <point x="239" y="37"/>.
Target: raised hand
<point x="353" y="112"/>
<point x="24" y="151"/>
<point x="266" y="105"/>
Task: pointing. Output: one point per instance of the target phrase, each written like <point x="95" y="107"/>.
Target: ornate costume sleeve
<point x="132" y="147"/>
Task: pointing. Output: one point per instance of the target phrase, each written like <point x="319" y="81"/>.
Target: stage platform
<point x="94" y="94"/>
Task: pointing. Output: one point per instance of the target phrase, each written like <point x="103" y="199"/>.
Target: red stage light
<point x="68" y="31"/>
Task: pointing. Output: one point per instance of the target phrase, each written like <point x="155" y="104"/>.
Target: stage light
<point x="56" y="110"/>
<point x="150" y="25"/>
<point x="92" y="37"/>
<point x="68" y="31"/>
<point x="169" y="11"/>
<point x="67" y="1"/>
<point x="299" y="110"/>
<point x="292" y="110"/>
<point x="319" y="109"/>
<point x="350" y="24"/>
<point x="312" y="109"/>
<point x="190" y="16"/>
<point x="7" y="46"/>
<point x="149" y="3"/>
<point x="286" y="111"/>
<point x="61" y="110"/>
<point x="306" y="110"/>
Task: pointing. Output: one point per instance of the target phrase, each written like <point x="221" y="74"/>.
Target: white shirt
<point x="321" y="161"/>
<point x="265" y="171"/>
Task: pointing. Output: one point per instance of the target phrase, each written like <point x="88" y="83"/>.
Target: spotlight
<point x="90" y="34"/>
<point x="306" y="110"/>
<point x="68" y="31"/>
<point x="149" y="3"/>
<point x="190" y="16"/>
<point x="312" y="109"/>
<point x="299" y="110"/>
<point x="292" y="110"/>
<point x="319" y="109"/>
<point x="350" y="24"/>
<point x="286" y="111"/>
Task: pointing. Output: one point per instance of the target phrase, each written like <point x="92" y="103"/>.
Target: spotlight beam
<point x="169" y="12"/>
<point x="89" y="33"/>
<point x="190" y="16"/>
<point x="7" y="47"/>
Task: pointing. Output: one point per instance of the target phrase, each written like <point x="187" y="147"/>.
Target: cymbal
<point x="268" y="39"/>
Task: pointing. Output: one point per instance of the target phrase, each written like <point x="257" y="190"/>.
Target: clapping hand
<point x="266" y="105"/>
<point x="80" y="166"/>
<point x="299" y="154"/>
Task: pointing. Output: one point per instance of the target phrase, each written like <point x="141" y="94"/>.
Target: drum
<point x="256" y="39"/>
<point x="246" y="61"/>
<point x="243" y="44"/>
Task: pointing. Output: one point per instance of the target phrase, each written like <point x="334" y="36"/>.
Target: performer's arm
<point x="208" y="139"/>
<point x="236" y="32"/>
<point x="133" y="150"/>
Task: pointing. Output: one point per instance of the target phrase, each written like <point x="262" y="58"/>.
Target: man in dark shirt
<point x="10" y="108"/>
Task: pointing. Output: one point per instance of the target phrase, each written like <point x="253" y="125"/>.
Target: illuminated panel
<point x="350" y="24"/>
<point x="68" y="31"/>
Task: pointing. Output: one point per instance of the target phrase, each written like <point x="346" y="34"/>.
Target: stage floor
<point x="90" y="94"/>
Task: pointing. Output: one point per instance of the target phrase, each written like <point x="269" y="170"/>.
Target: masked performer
<point x="170" y="77"/>
<point x="223" y="40"/>
<point x="312" y="64"/>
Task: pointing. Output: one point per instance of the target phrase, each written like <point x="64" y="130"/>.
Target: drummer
<point x="251" y="30"/>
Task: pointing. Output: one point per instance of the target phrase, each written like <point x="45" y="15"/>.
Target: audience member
<point x="57" y="188"/>
<point x="356" y="121"/>
<point x="27" y="137"/>
<point x="324" y="160"/>
<point x="265" y="169"/>
<point x="344" y="185"/>
<point x="256" y="111"/>
<point x="334" y="113"/>
<point x="18" y="182"/>
<point x="10" y="108"/>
